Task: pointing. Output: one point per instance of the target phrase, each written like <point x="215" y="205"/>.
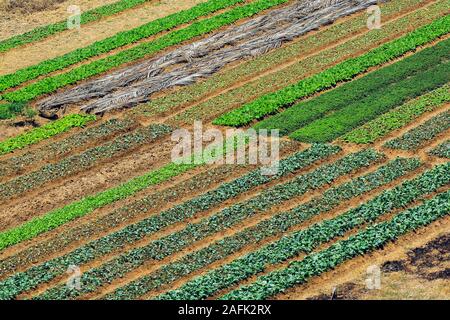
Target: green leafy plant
<point x="344" y="120"/>
<point x="136" y="231"/>
<point x="442" y="150"/>
<point x="367" y="88"/>
<point x="50" y="84"/>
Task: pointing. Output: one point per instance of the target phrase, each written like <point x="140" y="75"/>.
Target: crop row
<point x="12" y="110"/>
<point x="353" y="115"/>
<point x="310" y="65"/>
<point x="86" y="205"/>
<point x="151" y="225"/>
<point x="274" y="226"/>
<point x="199" y="182"/>
<point x="442" y="150"/>
<point x="75" y="164"/>
<point x="370" y="239"/>
<point x="82" y="161"/>
<point x="416" y="137"/>
<point x="199" y="28"/>
<point x="344" y="71"/>
<point x="60" y="148"/>
<point x="86" y="17"/>
<point x="306" y="240"/>
<point x="399" y="116"/>
<point x="332" y="33"/>
<point x="114" y="219"/>
<point x="49" y="130"/>
<point x="370" y="85"/>
<point x="118" y="40"/>
<point x="226" y="218"/>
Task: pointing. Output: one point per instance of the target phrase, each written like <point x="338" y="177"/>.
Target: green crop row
<point x="349" y="93"/>
<point x="11" y="110"/>
<point x="175" y="242"/>
<point x="332" y="33"/>
<point x="199" y="28"/>
<point x="442" y="150"/>
<point x="416" y="137"/>
<point x="62" y="147"/>
<point x="116" y="218"/>
<point x="133" y="211"/>
<point x="58" y="217"/>
<point x="86" y="17"/>
<point x="273" y="226"/>
<point x="360" y="111"/>
<point x="344" y="71"/>
<point x="82" y="161"/>
<point x="49" y="130"/>
<point x="137" y="231"/>
<point x="74" y="164"/>
<point x="306" y="240"/>
<point x="399" y="117"/>
<point x="370" y="239"/>
<point x="354" y="92"/>
<point x="118" y="40"/>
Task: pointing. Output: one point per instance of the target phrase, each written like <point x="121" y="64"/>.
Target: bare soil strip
<point x="222" y="101"/>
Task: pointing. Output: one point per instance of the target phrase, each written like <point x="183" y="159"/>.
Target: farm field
<point x="349" y="103"/>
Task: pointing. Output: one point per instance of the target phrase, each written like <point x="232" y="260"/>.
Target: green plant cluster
<point x="82" y="72"/>
<point x="86" y="17"/>
<point x="118" y="40"/>
<point x="344" y="71"/>
<point x="82" y="161"/>
<point x="137" y="231"/>
<point x="416" y="137"/>
<point x="308" y="239"/>
<point x="363" y="90"/>
<point x="442" y="150"/>
<point x="276" y="225"/>
<point x="41" y="133"/>
<point x="319" y="61"/>
<point x="62" y="147"/>
<point x="359" y="112"/>
<point x="399" y="117"/>
<point x="370" y="239"/>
